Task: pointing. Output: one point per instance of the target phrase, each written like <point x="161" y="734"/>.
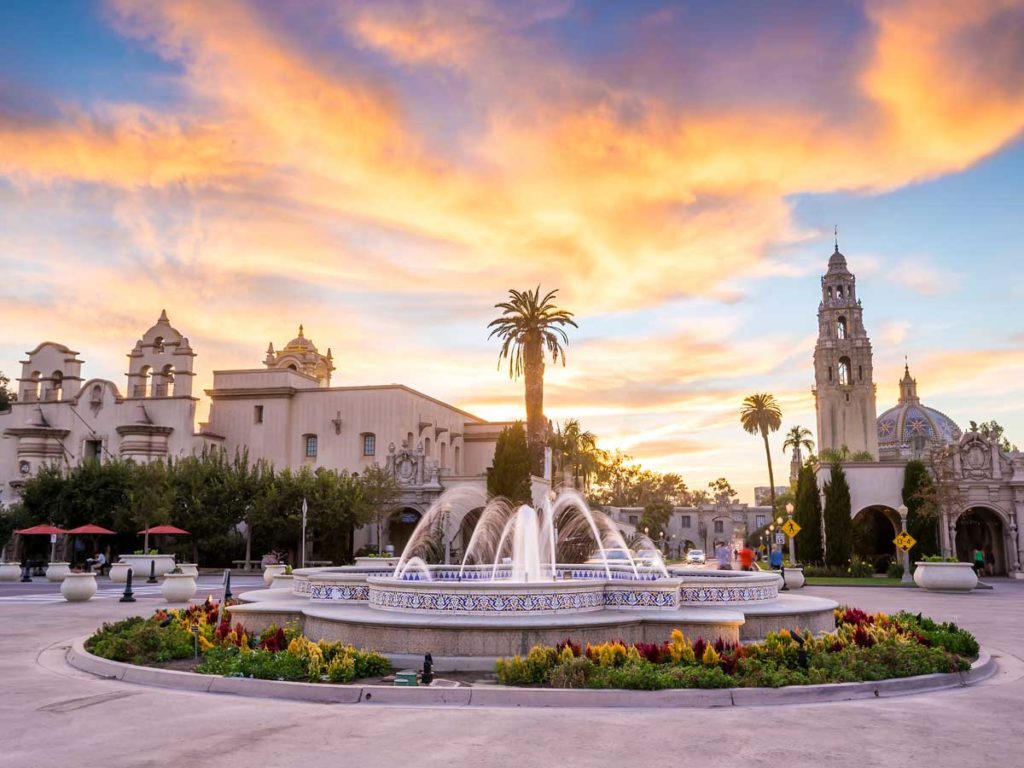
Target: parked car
<point x="613" y="555"/>
<point x="696" y="557"/>
<point x="648" y="557"/>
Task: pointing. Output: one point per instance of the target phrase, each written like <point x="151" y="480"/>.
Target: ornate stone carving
<point x="975" y="458"/>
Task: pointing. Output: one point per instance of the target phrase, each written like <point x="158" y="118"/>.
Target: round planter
<point x="945" y="577"/>
<point x="378" y="562"/>
<point x="10" y="571"/>
<point x="141" y="564"/>
<point x="57" y="571"/>
<point x="271" y="571"/>
<point x="119" y="573"/>
<point x="178" y="587"/>
<point x="189" y="569"/>
<point x="794" y="577"/>
<point x="283" y="581"/>
<point x="78" y="587"/>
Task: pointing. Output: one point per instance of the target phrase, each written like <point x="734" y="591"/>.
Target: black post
<point x="26" y="574"/>
<point x="128" y="597"/>
<point x="783" y="569"/>
<point x="152" y="572"/>
<point x="227" y="586"/>
<point x="428" y="670"/>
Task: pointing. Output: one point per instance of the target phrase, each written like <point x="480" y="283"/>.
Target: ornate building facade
<point x="286" y="412"/>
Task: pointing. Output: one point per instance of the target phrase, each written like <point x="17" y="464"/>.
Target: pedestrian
<point x="96" y="562"/>
<point x="723" y="554"/>
<point x="775" y="558"/>
<point x="990" y="563"/>
<point x="979" y="560"/>
<point x="746" y="559"/>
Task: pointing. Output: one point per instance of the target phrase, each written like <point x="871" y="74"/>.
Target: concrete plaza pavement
<point x="53" y="715"/>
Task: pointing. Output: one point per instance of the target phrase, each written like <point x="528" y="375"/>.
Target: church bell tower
<point x="844" y="382"/>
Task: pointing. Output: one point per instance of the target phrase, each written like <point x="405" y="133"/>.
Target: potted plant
<point x="57" y="571"/>
<point x="272" y="570"/>
<point x="283" y="580"/>
<point x="189" y="568"/>
<point x="944" y="574"/>
<point x="77" y="587"/>
<point x="178" y="587"/>
<point x="119" y="572"/>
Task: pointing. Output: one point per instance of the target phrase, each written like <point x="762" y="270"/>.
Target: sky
<point x="384" y="172"/>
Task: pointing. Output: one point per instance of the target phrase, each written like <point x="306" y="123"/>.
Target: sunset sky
<point x="383" y="172"/>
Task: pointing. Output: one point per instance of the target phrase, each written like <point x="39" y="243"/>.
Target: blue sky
<point x="383" y="172"/>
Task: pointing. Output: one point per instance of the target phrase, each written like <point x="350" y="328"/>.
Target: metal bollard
<point x="152" y="572"/>
<point x="26" y="572"/>
<point x="428" y="670"/>
<point x="128" y="597"/>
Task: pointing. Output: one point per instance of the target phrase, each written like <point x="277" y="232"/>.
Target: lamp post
<point x="907" y="578"/>
<point x="792" y="547"/>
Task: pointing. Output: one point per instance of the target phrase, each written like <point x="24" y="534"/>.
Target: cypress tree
<point x="807" y="514"/>
<point x="923" y="527"/>
<point x="509" y="475"/>
<point x="838" y="525"/>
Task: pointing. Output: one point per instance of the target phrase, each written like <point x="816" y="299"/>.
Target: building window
<point x="634" y="519"/>
<point x="860" y="373"/>
<point x="841" y="328"/>
<point x="257" y="414"/>
<point x="760" y="520"/>
<point x="830" y="373"/>
<point x="684" y="521"/>
<point x="310" y="446"/>
<point x="844" y="371"/>
<point x="92" y="450"/>
<point x="369" y="444"/>
<point x="719" y="526"/>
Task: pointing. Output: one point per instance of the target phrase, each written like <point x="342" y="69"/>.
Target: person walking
<point x="775" y="558"/>
<point x="979" y="560"/>
<point x="723" y="553"/>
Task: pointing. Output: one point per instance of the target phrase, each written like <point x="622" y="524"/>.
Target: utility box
<point x="407" y="677"/>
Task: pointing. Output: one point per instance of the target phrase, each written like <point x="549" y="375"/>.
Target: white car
<point x="612" y="556"/>
<point x="696" y="557"/>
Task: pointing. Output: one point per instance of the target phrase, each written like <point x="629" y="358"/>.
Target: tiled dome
<point x="914" y="424"/>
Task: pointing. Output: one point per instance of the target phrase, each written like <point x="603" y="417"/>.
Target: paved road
<point x="52" y="715"/>
<point x="42" y="592"/>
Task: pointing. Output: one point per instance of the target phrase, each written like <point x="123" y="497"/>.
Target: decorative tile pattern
<point x="732" y="594"/>
<point x="639" y="598"/>
<point x="482" y="602"/>
<point x="348" y="592"/>
<point x="300" y="586"/>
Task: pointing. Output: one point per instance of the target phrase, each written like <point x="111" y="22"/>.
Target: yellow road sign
<point x="904" y="541"/>
<point x="790" y="528"/>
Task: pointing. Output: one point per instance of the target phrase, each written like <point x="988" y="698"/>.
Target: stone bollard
<point x="128" y="597"/>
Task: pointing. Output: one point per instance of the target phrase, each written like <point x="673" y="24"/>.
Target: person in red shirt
<point x="747" y="559"/>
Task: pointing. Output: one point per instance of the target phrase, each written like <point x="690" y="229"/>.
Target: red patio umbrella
<point x="44" y="530"/>
<point x="90" y="529"/>
<point x="156" y="530"/>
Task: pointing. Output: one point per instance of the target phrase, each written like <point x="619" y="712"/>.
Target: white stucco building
<point x="285" y="411"/>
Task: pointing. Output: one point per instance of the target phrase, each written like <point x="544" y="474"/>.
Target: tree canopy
<point x="509" y="475"/>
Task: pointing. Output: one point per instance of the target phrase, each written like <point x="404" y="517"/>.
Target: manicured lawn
<point x="841" y="581"/>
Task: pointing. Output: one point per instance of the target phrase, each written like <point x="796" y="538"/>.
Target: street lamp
<point x="907" y="578"/>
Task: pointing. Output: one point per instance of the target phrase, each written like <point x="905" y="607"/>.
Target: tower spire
<point x="835" y="233"/>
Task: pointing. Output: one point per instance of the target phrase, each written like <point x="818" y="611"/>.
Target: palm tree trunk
<point x="771" y="474"/>
<point x="535" y="427"/>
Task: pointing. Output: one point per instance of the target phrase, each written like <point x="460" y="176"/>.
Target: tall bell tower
<point x="844" y="389"/>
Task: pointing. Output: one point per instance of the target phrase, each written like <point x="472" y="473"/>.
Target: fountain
<point x="527" y="575"/>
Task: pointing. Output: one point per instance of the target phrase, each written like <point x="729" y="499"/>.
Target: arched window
<point x="57" y="386"/>
<point x="165" y="386"/>
<point x="32" y="387"/>
<point x="860" y="373"/>
<point x="841" y="327"/>
<point x="844" y="371"/>
<point x="97" y="394"/>
<point x="142" y="383"/>
<point x="444" y="455"/>
<point x="158" y="344"/>
<point x="830" y="373"/>
<point x="426" y="447"/>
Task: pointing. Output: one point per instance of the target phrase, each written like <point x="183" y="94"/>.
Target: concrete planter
<point x="141" y="564"/>
<point x="794" y="577"/>
<point x="284" y="581"/>
<point x="78" y="587"/>
<point x="119" y="573"/>
<point x="271" y="571"/>
<point x="57" y="571"/>
<point x="189" y="569"/>
<point x="945" y="577"/>
<point x="10" y="571"/>
<point x="377" y="562"/>
<point x="178" y="587"/>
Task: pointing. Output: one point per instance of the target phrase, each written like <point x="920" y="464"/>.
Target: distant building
<point x="763" y="496"/>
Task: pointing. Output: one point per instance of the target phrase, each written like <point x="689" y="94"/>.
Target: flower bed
<point x="864" y="647"/>
<point x="278" y="653"/>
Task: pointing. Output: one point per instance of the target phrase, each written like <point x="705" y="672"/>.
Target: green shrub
<point x="860" y="569"/>
<point x="895" y="570"/>
<point x="141" y="641"/>
<point x="571" y="674"/>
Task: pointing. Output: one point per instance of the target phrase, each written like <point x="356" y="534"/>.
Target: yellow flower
<point x="710" y="657"/>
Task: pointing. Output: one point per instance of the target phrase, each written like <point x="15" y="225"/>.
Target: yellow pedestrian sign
<point x="790" y="528"/>
<point x="904" y="541"/>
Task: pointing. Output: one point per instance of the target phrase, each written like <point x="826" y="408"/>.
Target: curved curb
<point x="500" y="696"/>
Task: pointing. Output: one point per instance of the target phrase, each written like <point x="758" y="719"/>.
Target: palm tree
<point x="760" y="415"/>
<point x="576" y="449"/>
<point x="798" y="437"/>
<point x="528" y="326"/>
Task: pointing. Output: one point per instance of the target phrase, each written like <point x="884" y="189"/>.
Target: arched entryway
<point x="982" y="528"/>
<point x="874" y="529"/>
<point x="403" y="522"/>
<point x="466" y="528"/>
